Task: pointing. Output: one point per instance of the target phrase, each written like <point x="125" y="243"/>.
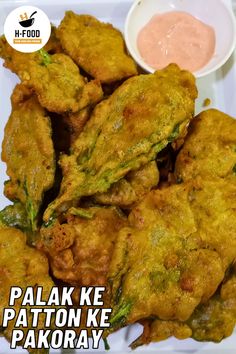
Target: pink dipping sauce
<point x="176" y="37"/>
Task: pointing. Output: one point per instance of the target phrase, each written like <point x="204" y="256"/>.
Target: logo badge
<point x="27" y="29"/>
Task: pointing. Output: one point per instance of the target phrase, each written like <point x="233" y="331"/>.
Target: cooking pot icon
<point x="28" y="22"/>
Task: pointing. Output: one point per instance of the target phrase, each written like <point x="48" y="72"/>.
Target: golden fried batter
<point x="80" y="250"/>
<point x="125" y="132"/>
<point x="216" y="320"/>
<point x="208" y="155"/>
<point x="96" y="47"/>
<point x="131" y="189"/>
<point x="213" y="204"/>
<point x="162" y="259"/>
<point x="181" y="241"/>
<point x="55" y="79"/>
<point x="157" y="331"/>
<point x="171" y="264"/>
<point x="210" y="148"/>
<point x="59" y="86"/>
<point x="15" y="60"/>
<point x="28" y="152"/>
<point x="15" y="216"/>
<point x="20" y="266"/>
<point x="212" y="321"/>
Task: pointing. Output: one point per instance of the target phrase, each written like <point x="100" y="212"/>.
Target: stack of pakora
<point x="115" y="183"/>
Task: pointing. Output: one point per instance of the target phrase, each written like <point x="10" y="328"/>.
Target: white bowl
<point x="212" y="12"/>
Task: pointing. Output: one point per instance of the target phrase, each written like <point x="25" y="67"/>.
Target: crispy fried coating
<point x="132" y="189"/>
<point x="216" y="320"/>
<point x="80" y="250"/>
<point x="213" y="204"/>
<point x="15" y="60"/>
<point x="181" y="241"/>
<point x="96" y="47"/>
<point x="161" y="259"/>
<point x="125" y="132"/>
<point x="157" y="331"/>
<point x="208" y="156"/>
<point x="55" y="79"/>
<point x="212" y="321"/>
<point x="15" y="216"/>
<point x="210" y="148"/>
<point x="28" y="152"/>
<point x="20" y="266"/>
<point x="59" y="86"/>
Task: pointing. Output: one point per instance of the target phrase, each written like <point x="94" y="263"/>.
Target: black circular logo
<point x="27" y="22"/>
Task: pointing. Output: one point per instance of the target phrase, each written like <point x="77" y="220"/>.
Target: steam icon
<point x="25" y="21"/>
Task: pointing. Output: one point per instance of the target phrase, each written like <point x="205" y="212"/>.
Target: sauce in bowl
<point x="176" y="37"/>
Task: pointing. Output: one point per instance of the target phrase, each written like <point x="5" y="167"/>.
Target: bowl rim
<point x="197" y="73"/>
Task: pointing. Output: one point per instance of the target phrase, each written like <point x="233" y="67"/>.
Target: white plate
<point x="220" y="87"/>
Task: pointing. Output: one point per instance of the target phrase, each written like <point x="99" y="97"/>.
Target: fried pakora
<point x="55" y="79"/>
<point x="216" y="320"/>
<point x="162" y="259"/>
<point x="212" y="321"/>
<point x="208" y="156"/>
<point x="14" y="60"/>
<point x="98" y="48"/>
<point x="20" y="266"/>
<point x="80" y="250"/>
<point x="125" y="132"/>
<point x="179" y="237"/>
<point x="131" y="189"/>
<point x="59" y="86"/>
<point x="28" y="152"/>
<point x="15" y="216"/>
<point x="157" y="331"/>
<point x="209" y="150"/>
<point x="80" y="137"/>
<point x="213" y="204"/>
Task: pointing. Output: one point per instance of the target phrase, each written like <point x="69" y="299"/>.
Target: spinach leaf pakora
<point x="55" y="79"/>
<point x="209" y="150"/>
<point x="24" y="267"/>
<point x="212" y="321"/>
<point x="15" y="215"/>
<point x="80" y="249"/>
<point x="180" y="243"/>
<point x="125" y="132"/>
<point x="98" y="48"/>
<point x="131" y="189"/>
<point x="28" y="152"/>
